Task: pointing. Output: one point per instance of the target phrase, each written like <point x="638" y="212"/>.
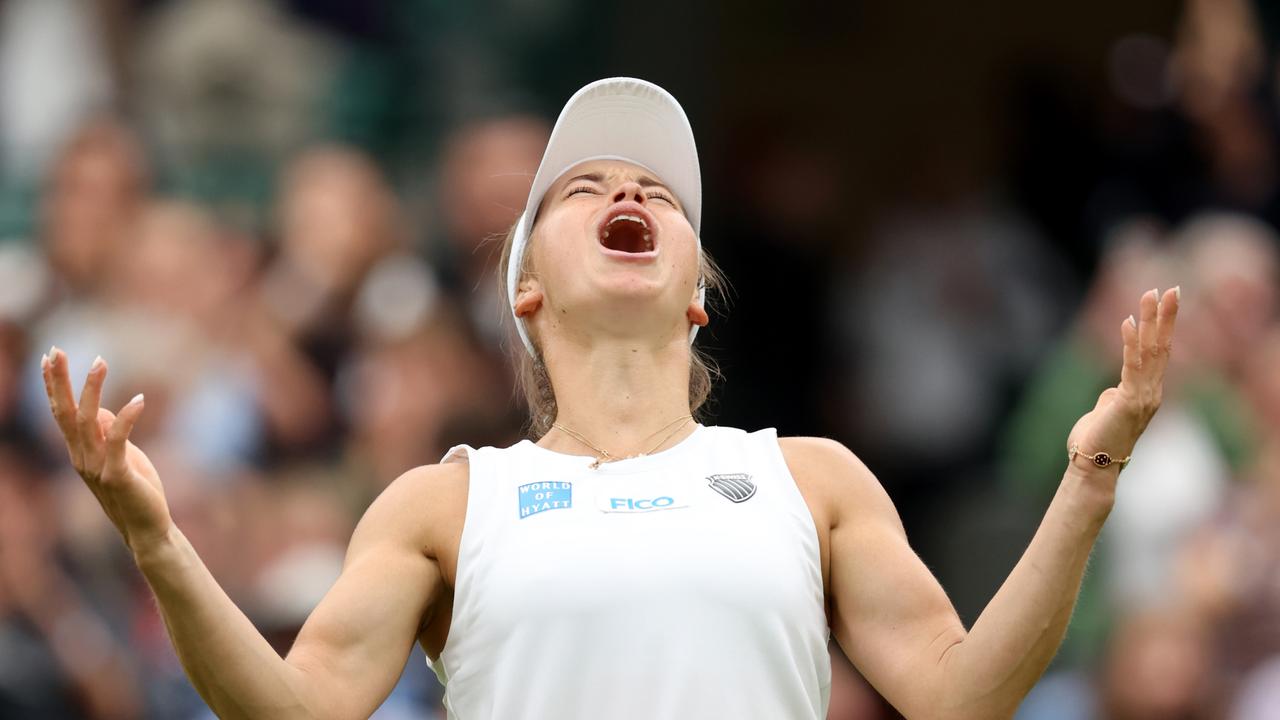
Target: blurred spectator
<point x="485" y="174"/>
<point x="1219" y="66"/>
<point x="1156" y="668"/>
<point x="58" y="658"/>
<point x="405" y="395"/>
<point x="183" y="286"/>
<point x="1231" y="569"/>
<point x="337" y="219"/>
<point x="92" y="196"/>
<point x="228" y="88"/>
<point x="951" y="306"/>
<point x="1232" y="266"/>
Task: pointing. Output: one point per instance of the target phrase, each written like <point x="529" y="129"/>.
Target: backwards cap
<point x="614" y="119"/>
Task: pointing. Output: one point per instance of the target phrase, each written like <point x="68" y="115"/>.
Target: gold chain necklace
<point x="606" y="456"/>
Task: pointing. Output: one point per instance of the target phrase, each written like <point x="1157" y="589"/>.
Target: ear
<point x="697" y="314"/>
<point x="528" y="298"/>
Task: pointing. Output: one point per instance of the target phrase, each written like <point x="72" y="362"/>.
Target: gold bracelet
<point x="1100" y="459"/>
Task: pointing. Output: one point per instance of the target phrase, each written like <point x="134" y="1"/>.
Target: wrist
<point x="1090" y="490"/>
<point x="1100" y="460"/>
<point x="161" y="551"/>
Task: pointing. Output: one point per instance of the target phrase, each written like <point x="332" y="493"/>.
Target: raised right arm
<point x="353" y="647"/>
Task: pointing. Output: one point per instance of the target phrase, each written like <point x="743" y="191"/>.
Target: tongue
<point x="625" y="236"/>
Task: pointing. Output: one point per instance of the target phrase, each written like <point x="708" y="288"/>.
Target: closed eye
<point x="659" y="195"/>
<point x="582" y="189"/>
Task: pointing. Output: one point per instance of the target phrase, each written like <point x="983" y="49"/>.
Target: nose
<point x="629" y="190"/>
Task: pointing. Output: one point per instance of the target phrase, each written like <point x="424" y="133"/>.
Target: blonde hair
<point x="534" y="382"/>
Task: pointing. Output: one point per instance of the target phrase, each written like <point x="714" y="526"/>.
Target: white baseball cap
<point x="614" y="119"/>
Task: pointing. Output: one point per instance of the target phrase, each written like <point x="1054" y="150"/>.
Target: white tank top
<point x="685" y="584"/>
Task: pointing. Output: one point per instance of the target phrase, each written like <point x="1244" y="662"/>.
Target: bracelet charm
<point x="1099" y="459"/>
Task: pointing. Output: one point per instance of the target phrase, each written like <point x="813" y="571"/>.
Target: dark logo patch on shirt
<point x="737" y="487"/>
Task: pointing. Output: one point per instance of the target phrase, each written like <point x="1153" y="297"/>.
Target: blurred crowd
<point x="277" y="220"/>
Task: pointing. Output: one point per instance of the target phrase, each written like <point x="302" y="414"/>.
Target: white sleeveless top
<point x="685" y="584"/>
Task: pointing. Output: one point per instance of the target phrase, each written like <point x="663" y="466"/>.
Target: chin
<point x="631" y="299"/>
<point x="632" y="287"/>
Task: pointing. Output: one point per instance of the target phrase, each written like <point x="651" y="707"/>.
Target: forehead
<point x="611" y="171"/>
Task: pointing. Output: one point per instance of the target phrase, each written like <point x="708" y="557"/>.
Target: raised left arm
<point x="892" y="618"/>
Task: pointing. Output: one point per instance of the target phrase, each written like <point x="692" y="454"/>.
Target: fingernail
<point x="53" y="354"/>
<point x="137" y="399"/>
<point x="97" y="363"/>
<point x="1133" y="322"/>
<point x="1177" y="292"/>
<point x="44" y="361"/>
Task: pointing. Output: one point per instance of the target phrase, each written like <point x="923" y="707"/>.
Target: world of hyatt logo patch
<point x="542" y="496"/>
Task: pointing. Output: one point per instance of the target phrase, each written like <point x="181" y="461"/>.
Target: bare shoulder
<point x="423" y="507"/>
<point x="844" y="485"/>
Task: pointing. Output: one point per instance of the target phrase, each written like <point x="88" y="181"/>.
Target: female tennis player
<point x="630" y="563"/>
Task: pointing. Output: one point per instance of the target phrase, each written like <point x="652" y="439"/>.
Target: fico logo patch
<point x="542" y="496"/>
<point x="613" y="503"/>
<point x="641" y="503"/>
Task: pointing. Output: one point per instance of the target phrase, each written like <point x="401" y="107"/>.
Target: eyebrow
<point x="642" y="180"/>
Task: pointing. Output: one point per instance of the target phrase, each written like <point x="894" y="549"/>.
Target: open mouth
<point x="627" y="232"/>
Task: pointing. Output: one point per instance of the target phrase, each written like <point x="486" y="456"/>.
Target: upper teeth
<point x="632" y="218"/>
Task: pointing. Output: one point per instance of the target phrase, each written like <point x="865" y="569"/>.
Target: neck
<point x="622" y="395"/>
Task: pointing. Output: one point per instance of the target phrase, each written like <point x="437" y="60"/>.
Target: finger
<point x="58" y="387"/>
<point x="1147" y="308"/>
<point x="1165" y="320"/>
<point x="1132" y="355"/>
<point x="105" y="418"/>
<point x="117" y="438"/>
<point x="87" y="414"/>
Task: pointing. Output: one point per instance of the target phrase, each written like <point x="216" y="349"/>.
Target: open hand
<point x="1122" y="412"/>
<point x="116" y="471"/>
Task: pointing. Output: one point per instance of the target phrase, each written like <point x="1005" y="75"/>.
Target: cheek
<point x="686" y="259"/>
<point x="553" y="252"/>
